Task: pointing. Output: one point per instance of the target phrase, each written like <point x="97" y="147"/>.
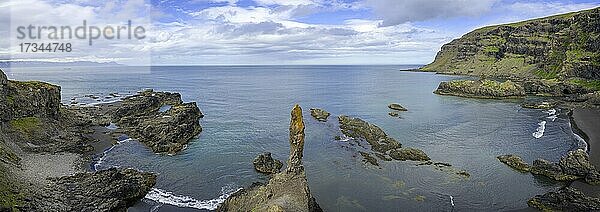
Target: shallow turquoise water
<point x="247" y="112"/>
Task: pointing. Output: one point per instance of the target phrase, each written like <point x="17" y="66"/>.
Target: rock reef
<point x="285" y="191"/>
<point x="319" y="114"/>
<point x="481" y="89"/>
<point x="383" y="145"/>
<point x="167" y="131"/>
<point x="573" y="166"/>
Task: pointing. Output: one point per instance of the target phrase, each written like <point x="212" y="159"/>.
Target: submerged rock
<point x="369" y="159"/>
<point x="266" y="164"/>
<point x="565" y="199"/>
<point x="319" y="114"/>
<point x="107" y="190"/>
<point x="286" y="191"/>
<point x="140" y="117"/>
<point x="481" y="89"/>
<point x="394" y="114"/>
<point x="396" y="106"/>
<point x="515" y="162"/>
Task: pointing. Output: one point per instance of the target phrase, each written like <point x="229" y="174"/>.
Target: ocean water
<point x="247" y="112"/>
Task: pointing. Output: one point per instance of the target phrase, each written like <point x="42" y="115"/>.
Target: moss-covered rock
<point x="515" y="162"/>
<point x="481" y="89"/>
<point x="408" y="153"/>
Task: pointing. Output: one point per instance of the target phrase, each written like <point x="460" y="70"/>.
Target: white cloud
<point x="396" y="12"/>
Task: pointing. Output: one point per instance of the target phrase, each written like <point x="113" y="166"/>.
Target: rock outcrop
<point x="107" y="190"/>
<point x="264" y="163"/>
<point x="379" y="141"/>
<point x="319" y="114"/>
<point x="285" y="191"/>
<point x="396" y="106"/>
<point x="140" y="116"/>
<point x="540" y="104"/>
<point x="557" y="47"/>
<point x="481" y="89"/>
<point x="515" y="162"/>
<point x="573" y="166"/>
<point x="565" y="199"/>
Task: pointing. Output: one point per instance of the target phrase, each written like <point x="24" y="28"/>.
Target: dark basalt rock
<point x="286" y="191"/>
<point x="565" y="199"/>
<point x="481" y="89"/>
<point x="515" y="162"/>
<point x="551" y="88"/>
<point x="319" y="114"/>
<point x="107" y="190"/>
<point x="264" y="163"/>
<point x="369" y="159"/>
<point x="28" y="99"/>
<point x="140" y="117"/>
<point x="396" y="106"/>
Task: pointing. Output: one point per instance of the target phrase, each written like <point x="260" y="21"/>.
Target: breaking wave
<point x="100" y="160"/>
<point x="167" y="197"/>
<point x="540" y="130"/>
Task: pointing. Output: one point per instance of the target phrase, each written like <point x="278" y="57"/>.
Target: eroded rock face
<point x="264" y="163"/>
<point x="296" y="141"/>
<point x="107" y="190"/>
<point x="565" y="199"/>
<point x="319" y="114"/>
<point x="481" y="89"/>
<point x="28" y="99"/>
<point x="515" y="162"/>
<point x="140" y="117"/>
<point x="286" y="191"/>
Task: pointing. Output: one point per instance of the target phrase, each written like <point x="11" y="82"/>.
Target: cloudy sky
<point x="233" y="32"/>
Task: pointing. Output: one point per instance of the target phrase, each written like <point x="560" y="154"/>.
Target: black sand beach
<point x="588" y="121"/>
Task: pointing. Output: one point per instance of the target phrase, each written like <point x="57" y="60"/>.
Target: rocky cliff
<point x="563" y="47"/>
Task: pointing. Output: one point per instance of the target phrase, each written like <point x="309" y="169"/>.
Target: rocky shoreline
<point x="46" y="147"/>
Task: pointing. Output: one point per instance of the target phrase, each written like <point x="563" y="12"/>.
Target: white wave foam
<point x="552" y="117"/>
<point x="101" y="159"/>
<point x="167" y="197"/>
<point x="582" y="142"/>
<point x="451" y="200"/>
<point x="540" y="130"/>
<point x="551" y="112"/>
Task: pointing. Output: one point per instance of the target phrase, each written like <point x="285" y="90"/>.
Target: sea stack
<point x="286" y="191"/>
<point x="296" y="142"/>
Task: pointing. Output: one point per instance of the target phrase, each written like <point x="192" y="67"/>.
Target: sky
<point x="261" y="32"/>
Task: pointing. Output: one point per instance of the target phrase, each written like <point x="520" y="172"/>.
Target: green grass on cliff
<point x="25" y="125"/>
<point x="590" y="84"/>
<point x="10" y="195"/>
<point x="35" y="84"/>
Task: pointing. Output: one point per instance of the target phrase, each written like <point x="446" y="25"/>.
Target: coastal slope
<point x="560" y="47"/>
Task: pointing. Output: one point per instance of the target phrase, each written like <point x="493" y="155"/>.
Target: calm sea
<point x="247" y="112"/>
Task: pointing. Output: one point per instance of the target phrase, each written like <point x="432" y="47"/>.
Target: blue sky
<point x="233" y="32"/>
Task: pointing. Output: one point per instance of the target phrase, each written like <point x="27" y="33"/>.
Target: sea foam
<point x="540" y="130"/>
<point x="167" y="197"/>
